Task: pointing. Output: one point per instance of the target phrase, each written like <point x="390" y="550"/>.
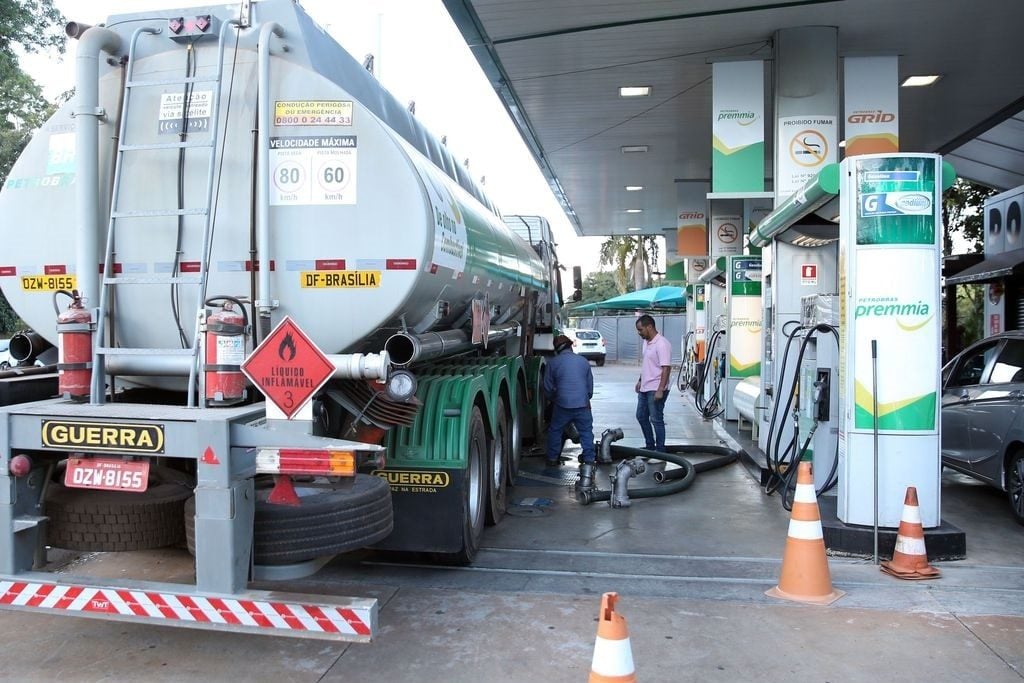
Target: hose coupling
<point x="620" y="481"/>
<point x="607" y="437"/>
<point x="585" y="483"/>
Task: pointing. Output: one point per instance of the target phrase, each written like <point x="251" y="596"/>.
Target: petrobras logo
<point x="878" y="116"/>
<point x="908" y="316"/>
<point x="744" y="118"/>
<point x="913" y="202"/>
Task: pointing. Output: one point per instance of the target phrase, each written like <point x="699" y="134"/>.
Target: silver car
<point x="983" y="415"/>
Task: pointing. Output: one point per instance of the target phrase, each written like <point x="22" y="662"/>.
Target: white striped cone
<point x="613" y="655"/>
<point x="805" y="576"/>
<point x="910" y="558"/>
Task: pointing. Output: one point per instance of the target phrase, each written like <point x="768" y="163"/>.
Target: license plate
<point x="109" y="475"/>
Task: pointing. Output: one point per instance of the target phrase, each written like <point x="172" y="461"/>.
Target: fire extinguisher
<point x="74" y="350"/>
<point x="226" y="333"/>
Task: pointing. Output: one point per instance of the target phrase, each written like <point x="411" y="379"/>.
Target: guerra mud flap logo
<point x="112" y="437"/>
<point x="415" y="481"/>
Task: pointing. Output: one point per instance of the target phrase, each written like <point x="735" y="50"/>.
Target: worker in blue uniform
<point x="569" y="385"/>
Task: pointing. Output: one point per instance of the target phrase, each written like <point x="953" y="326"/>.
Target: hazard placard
<point x="288" y="368"/>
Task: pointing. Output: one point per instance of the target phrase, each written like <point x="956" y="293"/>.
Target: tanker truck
<point x="289" y="325"/>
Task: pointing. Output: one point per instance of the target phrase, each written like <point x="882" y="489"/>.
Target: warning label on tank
<point x="314" y="169"/>
<point x="172" y="104"/>
<point x="313" y="113"/>
<point x="339" y="279"/>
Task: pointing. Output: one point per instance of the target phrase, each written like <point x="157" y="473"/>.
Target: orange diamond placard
<point x="288" y="368"/>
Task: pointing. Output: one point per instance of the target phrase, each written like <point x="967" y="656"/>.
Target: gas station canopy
<point x="558" y="66"/>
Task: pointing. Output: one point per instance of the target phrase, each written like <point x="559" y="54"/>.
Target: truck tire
<point x="474" y="494"/>
<point x="112" y="521"/>
<point x="516" y="437"/>
<point x="500" y="453"/>
<point x="328" y="522"/>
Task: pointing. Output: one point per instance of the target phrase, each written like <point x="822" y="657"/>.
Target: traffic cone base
<point x="613" y="656"/>
<point x="910" y="558"/>
<point x="805" y="576"/>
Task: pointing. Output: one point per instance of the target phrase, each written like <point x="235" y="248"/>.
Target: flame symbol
<point x="287" y="345"/>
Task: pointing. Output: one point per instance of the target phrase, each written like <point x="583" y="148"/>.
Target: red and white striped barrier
<point x="197" y="611"/>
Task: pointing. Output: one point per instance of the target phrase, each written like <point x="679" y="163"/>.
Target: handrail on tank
<point x="264" y="303"/>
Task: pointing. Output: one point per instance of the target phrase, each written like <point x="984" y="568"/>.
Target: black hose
<point x="681" y="482"/>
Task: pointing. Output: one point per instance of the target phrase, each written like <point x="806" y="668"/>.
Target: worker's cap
<point x="562" y="342"/>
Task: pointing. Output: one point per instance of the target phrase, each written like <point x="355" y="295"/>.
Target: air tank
<point x="372" y="226"/>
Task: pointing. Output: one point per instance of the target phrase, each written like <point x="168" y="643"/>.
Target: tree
<point x="28" y="26"/>
<point x="633" y="259"/>
<point x="598" y="287"/>
<point x="962" y="213"/>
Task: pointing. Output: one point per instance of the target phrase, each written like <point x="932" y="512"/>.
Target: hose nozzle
<point x="620" y="481"/>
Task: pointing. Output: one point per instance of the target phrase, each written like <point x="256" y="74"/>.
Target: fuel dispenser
<point x="743" y="315"/>
<point x="708" y="396"/>
<point x="818" y="416"/>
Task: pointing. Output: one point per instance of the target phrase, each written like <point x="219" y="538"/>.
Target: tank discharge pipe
<point x="406" y="349"/>
<point x="265" y="304"/>
<point x="86" y="111"/>
<point x="360" y="365"/>
<point x="25" y="347"/>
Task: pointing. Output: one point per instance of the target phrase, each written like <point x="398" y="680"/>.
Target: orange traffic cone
<point x="910" y="559"/>
<point x="613" y="657"/>
<point x="805" y="576"/>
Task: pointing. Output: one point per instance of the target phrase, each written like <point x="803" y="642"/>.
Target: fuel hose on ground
<point x="676" y="482"/>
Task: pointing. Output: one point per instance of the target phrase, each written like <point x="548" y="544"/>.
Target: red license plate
<point x="109" y="475"/>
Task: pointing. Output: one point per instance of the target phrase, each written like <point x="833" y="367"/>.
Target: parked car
<point x="5" y="355"/>
<point x="983" y="415"/>
<point x="589" y="344"/>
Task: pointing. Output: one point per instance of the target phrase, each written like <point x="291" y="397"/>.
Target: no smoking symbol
<point x="728" y="233"/>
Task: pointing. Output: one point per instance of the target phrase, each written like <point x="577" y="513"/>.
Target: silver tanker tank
<point x="368" y="225"/>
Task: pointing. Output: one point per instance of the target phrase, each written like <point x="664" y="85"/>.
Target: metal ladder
<point x="110" y="280"/>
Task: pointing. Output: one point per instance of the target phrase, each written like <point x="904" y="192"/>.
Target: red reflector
<point x="329" y="264"/>
<point x="55" y="270"/>
<point x="400" y="264"/>
<point x="317" y="462"/>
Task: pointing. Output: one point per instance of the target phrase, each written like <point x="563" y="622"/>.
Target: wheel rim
<point x="1015" y="486"/>
<point x="500" y="434"/>
<point x="474" y="472"/>
<point x="516" y="454"/>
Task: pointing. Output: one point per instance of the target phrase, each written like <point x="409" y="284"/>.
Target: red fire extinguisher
<point x="226" y="332"/>
<point x="74" y="350"/>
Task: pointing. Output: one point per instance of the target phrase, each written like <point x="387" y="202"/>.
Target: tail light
<point x="326" y="462"/>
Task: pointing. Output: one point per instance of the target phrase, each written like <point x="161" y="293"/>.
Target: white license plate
<point x="109" y="475"/>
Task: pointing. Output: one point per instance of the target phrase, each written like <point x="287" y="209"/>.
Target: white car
<point x="589" y="344"/>
<point x="6" y="362"/>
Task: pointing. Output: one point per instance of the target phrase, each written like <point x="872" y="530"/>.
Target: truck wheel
<point x="474" y="492"/>
<point x="516" y="438"/>
<point x="497" y="486"/>
<point x="328" y="522"/>
<point x="1015" y="485"/>
<point x="112" y="521"/>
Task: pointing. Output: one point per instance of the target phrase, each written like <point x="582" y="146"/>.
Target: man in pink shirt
<point x="652" y="387"/>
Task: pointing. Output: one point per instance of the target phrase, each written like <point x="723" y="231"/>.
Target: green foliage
<point x="961" y="213"/>
<point x="633" y="259"/>
<point x="970" y="308"/>
<point x="598" y="287"/>
<point x="28" y="26"/>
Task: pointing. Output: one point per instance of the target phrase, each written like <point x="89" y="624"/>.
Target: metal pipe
<point x="360" y="365"/>
<point x="713" y="270"/>
<point x="815" y="193"/>
<point x="607" y="437"/>
<point x="150" y="365"/>
<point x="265" y="304"/>
<point x="25" y="346"/>
<point x="406" y="349"/>
<point x="87" y="114"/>
<point x="75" y="29"/>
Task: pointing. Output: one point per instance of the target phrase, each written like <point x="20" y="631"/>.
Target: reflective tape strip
<point x="910" y="546"/>
<point x="612" y="657"/>
<point x="805" y="494"/>
<point x="912" y="514"/>
<point x="257" y="614"/>
<point x="805" y="531"/>
<point x="268" y="461"/>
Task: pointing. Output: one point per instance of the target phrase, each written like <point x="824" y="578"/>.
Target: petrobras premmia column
<point x="743" y="333"/>
<point x="889" y="263"/>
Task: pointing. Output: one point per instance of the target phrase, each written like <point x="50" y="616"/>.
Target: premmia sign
<point x="889" y="307"/>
